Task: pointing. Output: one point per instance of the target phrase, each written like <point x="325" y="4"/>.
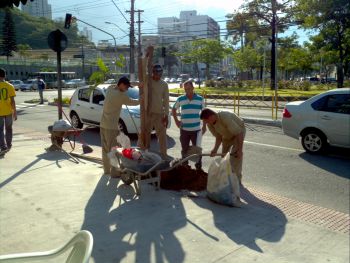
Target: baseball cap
<point x="157" y="68"/>
<point x="125" y="81"/>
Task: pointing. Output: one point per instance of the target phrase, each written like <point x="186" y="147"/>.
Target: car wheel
<point x="122" y="127"/>
<point x="76" y="123"/>
<point x="313" y="141"/>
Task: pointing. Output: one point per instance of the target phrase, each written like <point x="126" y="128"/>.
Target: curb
<point x="274" y="123"/>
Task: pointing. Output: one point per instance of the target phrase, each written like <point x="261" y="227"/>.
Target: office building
<point x="38" y="8"/>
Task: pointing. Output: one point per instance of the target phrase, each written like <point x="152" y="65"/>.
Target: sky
<point x="98" y="12"/>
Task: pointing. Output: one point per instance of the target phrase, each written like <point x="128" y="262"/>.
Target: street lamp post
<point x="115" y="42"/>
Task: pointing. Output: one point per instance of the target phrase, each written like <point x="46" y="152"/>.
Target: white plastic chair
<point x="81" y="245"/>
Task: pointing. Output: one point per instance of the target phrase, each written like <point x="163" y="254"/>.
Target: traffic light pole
<point x="59" y="80"/>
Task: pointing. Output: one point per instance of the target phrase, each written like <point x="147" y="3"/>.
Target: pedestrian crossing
<point x="25" y="105"/>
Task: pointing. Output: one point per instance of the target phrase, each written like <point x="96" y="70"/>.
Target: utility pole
<point x="82" y="58"/>
<point x="139" y="50"/>
<point x="132" y="41"/>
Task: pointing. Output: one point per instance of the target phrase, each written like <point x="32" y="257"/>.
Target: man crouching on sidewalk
<point x="228" y="129"/>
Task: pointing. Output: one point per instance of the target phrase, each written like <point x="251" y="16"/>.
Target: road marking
<point x="274" y="146"/>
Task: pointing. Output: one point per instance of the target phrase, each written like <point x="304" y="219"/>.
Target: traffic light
<point x="163" y="54"/>
<point x="68" y="21"/>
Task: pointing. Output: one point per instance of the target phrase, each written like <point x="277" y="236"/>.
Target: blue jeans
<point x="6" y="122"/>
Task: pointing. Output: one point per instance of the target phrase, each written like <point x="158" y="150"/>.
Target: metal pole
<point x="59" y="80"/>
<point x="115" y="42"/>
<point x="132" y="41"/>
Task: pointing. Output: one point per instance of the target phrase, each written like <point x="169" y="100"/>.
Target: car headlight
<point x="135" y="114"/>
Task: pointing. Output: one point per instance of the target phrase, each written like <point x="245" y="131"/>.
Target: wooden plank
<point x="145" y="73"/>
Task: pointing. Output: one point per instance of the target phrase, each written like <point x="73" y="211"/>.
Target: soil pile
<point x="184" y="178"/>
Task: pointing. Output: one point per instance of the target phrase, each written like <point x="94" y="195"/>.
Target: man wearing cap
<point x="159" y="110"/>
<point x="116" y="96"/>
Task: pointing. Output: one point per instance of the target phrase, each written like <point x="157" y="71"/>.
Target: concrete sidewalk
<point x="46" y="197"/>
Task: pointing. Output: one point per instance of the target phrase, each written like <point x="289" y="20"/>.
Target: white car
<point x="320" y="121"/>
<point x="86" y="107"/>
<point x="30" y="84"/>
<point x="74" y="83"/>
<point x="16" y="83"/>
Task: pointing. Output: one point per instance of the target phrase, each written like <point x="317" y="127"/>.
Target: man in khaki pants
<point x="159" y="110"/>
<point x="116" y="96"/>
<point x="228" y="129"/>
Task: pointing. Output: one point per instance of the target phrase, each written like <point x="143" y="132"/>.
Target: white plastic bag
<point x="123" y="140"/>
<point x="61" y="125"/>
<point x="223" y="184"/>
<point x="113" y="159"/>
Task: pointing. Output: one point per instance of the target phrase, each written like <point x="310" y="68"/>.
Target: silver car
<point x="320" y="121"/>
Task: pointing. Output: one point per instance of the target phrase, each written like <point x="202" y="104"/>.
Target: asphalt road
<point x="272" y="162"/>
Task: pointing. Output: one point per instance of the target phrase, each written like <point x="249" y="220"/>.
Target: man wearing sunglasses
<point x="159" y="110"/>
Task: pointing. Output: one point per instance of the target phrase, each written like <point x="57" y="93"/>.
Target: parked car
<point x="74" y="83"/>
<point x="320" y="121"/>
<point x="16" y="83"/>
<point x="30" y="84"/>
<point x="86" y="107"/>
<point x="166" y="79"/>
<point x="111" y="81"/>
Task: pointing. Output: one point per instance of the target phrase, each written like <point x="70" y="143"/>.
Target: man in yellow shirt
<point x="159" y="110"/>
<point x="228" y="129"/>
<point x="8" y="112"/>
<point x="116" y="96"/>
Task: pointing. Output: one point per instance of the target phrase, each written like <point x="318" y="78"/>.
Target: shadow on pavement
<point x="145" y="226"/>
<point x="337" y="161"/>
<point x="250" y="223"/>
<point x="56" y="157"/>
<point x="92" y="137"/>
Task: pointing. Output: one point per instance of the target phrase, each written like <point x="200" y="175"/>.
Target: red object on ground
<point x="128" y="153"/>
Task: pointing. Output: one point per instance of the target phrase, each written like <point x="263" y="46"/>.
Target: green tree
<point x="207" y="51"/>
<point x="247" y="59"/>
<point x="100" y="76"/>
<point x="8" y="43"/>
<point x="332" y="19"/>
<point x="170" y="59"/>
<point x="274" y="15"/>
<point x="23" y="50"/>
<point x="34" y="30"/>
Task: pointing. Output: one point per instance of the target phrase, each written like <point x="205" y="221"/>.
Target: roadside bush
<point x="303" y="85"/>
<point x="286" y="84"/>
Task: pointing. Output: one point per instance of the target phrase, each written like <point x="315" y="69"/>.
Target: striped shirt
<point x="190" y="111"/>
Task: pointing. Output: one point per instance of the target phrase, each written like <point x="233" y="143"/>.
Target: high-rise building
<point x="189" y="26"/>
<point x="39" y="8"/>
<point x="87" y="33"/>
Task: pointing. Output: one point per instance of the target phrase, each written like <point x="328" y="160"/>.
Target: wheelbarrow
<point x="147" y="170"/>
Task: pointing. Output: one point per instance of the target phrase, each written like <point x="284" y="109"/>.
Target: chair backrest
<point x="81" y="245"/>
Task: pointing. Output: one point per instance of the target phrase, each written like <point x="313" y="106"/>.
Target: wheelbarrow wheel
<point x="127" y="178"/>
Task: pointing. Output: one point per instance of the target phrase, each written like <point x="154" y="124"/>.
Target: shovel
<point x="196" y="151"/>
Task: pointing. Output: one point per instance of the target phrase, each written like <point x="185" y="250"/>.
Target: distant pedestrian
<point x="8" y="112"/>
<point x="41" y="86"/>
<point x="228" y="129"/>
<point x="190" y="105"/>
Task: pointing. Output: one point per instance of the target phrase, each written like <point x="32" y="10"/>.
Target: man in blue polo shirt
<point x="190" y="106"/>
